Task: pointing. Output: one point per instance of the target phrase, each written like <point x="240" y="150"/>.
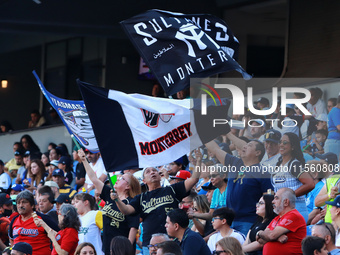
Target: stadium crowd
<point x="266" y="189"/>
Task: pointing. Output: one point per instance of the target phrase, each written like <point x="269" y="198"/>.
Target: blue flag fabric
<point x="74" y="116"/>
<point x="178" y="47"/>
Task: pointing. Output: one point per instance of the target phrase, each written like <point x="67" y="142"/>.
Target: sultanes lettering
<point x="156" y="202"/>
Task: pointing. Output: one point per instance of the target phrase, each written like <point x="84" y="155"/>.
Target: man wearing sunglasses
<point x="327" y="232"/>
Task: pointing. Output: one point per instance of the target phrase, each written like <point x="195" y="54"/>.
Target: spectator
<point x="155" y="240"/>
<point x="180" y="176"/>
<point x="221" y="221"/>
<point x="333" y="140"/>
<point x="29" y="145"/>
<point x="23" y="229"/>
<point x="257" y="129"/>
<point x="66" y="240"/>
<point x="59" y="178"/>
<point x="5" y="179"/>
<point x="120" y="245"/>
<point x="46" y="202"/>
<point x="157" y="91"/>
<point x="210" y="191"/>
<point x="264" y="209"/>
<point x="244" y="189"/>
<point x="290" y="173"/>
<point x="22" y="248"/>
<point x="53" y="165"/>
<point x="262" y="103"/>
<point x="55" y="154"/>
<point x="65" y="164"/>
<point x="16" y="189"/>
<point x="314" y="245"/>
<point x="330" y="189"/>
<point x="331" y="103"/>
<point x="22" y="171"/>
<point x="169" y="247"/>
<point x="190" y="242"/>
<point x="36" y="119"/>
<point x="85" y="249"/>
<point x="36" y="174"/>
<point x="5" y="211"/>
<point x="286" y="231"/>
<point x="97" y="164"/>
<point x="177" y="165"/>
<point x="321" y="121"/>
<point x="15" y="163"/>
<point x="335" y="215"/>
<point x="62" y="199"/>
<point x="155" y="203"/>
<point x="315" y="104"/>
<point x="45" y="159"/>
<point x="54" y="187"/>
<point x="201" y="205"/>
<point x="326" y="231"/>
<point x="5" y="126"/>
<point x="114" y="222"/>
<point x="272" y="138"/>
<point x="318" y="142"/>
<point x="228" y="246"/>
<point x="80" y="169"/>
<point x="91" y="221"/>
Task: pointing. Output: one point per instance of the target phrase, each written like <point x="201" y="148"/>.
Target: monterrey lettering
<point x="165" y="142"/>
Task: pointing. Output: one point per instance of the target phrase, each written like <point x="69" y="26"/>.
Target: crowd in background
<point x="282" y="195"/>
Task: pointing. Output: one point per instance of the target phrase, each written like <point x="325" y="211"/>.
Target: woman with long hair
<point x="228" y="246"/>
<point x="35" y="176"/>
<point x="201" y="205"/>
<point x="120" y="245"/>
<point x="85" y="249"/>
<point x="289" y="172"/>
<point x="29" y="145"/>
<point x="66" y="240"/>
<point x="265" y="212"/>
<point x="115" y="223"/>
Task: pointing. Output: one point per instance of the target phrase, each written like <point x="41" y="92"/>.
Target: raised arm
<point x="190" y="182"/>
<point x="217" y="151"/>
<point x="92" y="175"/>
<point x="125" y="209"/>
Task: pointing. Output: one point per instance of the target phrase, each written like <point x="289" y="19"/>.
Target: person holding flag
<point x="154" y="204"/>
<point x="115" y="223"/>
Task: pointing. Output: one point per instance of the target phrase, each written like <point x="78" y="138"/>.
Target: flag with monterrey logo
<point x="178" y="47"/>
<point x="74" y="116"/>
<point x="136" y="131"/>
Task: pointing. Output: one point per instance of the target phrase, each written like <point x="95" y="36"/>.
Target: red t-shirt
<point x="4" y="224"/>
<point x="68" y="240"/>
<point x="28" y="232"/>
<point x="296" y="224"/>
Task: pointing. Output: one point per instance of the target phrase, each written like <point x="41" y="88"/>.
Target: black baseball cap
<point x="335" y="202"/>
<point x="208" y="187"/>
<point x="329" y="157"/>
<point x="272" y="135"/>
<point x="5" y="199"/>
<point x="63" y="198"/>
<point x="262" y="100"/>
<point x="23" y="247"/>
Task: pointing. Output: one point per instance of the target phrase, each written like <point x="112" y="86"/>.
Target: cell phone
<point x="112" y="179"/>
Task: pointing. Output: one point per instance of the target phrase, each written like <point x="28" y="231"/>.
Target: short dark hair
<point x="46" y="190"/>
<point x="322" y="132"/>
<point x="225" y="213"/>
<point x="170" y="247"/>
<point x="332" y="100"/>
<point x="179" y="216"/>
<point x="260" y="147"/>
<point x="25" y="194"/>
<point x="312" y="243"/>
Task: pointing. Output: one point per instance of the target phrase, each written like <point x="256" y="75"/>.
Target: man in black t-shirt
<point x="154" y="204"/>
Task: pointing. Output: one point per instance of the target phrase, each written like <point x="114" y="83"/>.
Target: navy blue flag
<point x="178" y="47"/>
<point x="74" y="116"/>
<point x="136" y="131"/>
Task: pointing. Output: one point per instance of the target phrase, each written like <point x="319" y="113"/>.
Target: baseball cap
<point x="262" y="100"/>
<point x="27" y="153"/>
<point x="322" y="117"/>
<point x="51" y="184"/>
<point x="17" y="187"/>
<point x="58" y="172"/>
<point x="272" y="135"/>
<point x="335" y="202"/>
<point x="1" y="163"/>
<point x="19" y="153"/>
<point x="182" y="160"/>
<point x="208" y="187"/>
<point x="329" y="157"/>
<point x="23" y="247"/>
<point x="182" y="174"/>
<point x="65" y="161"/>
<point x="290" y="106"/>
<point x="63" y="198"/>
<point x="259" y="121"/>
<point x="5" y="199"/>
<point x="54" y="162"/>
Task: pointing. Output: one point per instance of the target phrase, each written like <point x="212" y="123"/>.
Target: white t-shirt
<point x="5" y="181"/>
<point x="98" y="168"/>
<point x="317" y="109"/>
<point x="216" y="237"/>
<point x="90" y="230"/>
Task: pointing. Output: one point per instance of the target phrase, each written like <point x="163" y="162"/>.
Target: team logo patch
<point x="57" y="237"/>
<point x="151" y="119"/>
